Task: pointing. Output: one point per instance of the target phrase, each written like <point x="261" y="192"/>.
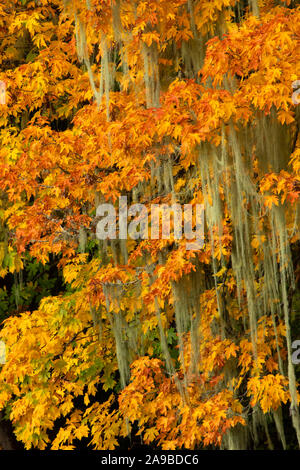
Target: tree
<point x="170" y="101"/>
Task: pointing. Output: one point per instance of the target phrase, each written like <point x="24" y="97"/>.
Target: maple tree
<point x="162" y="101"/>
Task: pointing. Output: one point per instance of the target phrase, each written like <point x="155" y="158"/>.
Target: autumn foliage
<point x="164" y="101"/>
